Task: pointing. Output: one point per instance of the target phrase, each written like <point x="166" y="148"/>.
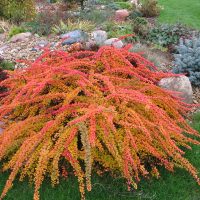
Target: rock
<point x="99" y="37"/>
<point x="114" y="42"/>
<point x="21" y="37"/>
<point x="121" y="15"/>
<point x="3" y="48"/>
<point x="74" y="36"/>
<point x="42" y="43"/>
<point x="178" y="84"/>
<point x="34" y="49"/>
<point x="91" y="45"/>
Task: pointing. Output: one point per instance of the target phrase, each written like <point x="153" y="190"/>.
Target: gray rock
<point x="21" y="37"/>
<point x="3" y="48"/>
<point x="178" y="84"/>
<point x="73" y="37"/>
<point x="42" y="43"/>
<point x="34" y="49"/>
<point x="99" y="37"/>
<point x="114" y="42"/>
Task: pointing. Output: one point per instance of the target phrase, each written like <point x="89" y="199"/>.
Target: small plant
<point x="166" y="35"/>
<point x="1" y="30"/>
<point x="84" y="25"/>
<point x="7" y="65"/>
<point x="97" y="16"/>
<point x="150" y="8"/>
<point x="16" y="30"/>
<point x="120" y="30"/>
<point x="120" y="5"/>
<point x="187" y="60"/>
<point x="4" y="26"/>
<point x="141" y="26"/>
<point x="134" y="14"/>
<point x="45" y="21"/>
<point x="116" y="30"/>
<point x="88" y="112"/>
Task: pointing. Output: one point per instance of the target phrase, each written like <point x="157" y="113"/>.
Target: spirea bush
<point x="90" y="112"/>
<point x="187" y="60"/>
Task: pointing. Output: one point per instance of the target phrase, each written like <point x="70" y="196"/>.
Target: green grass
<point x="171" y="186"/>
<point x="184" y="11"/>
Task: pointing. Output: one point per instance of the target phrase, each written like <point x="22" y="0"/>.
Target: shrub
<point x="96" y="111"/>
<point x="120" y="5"/>
<point x="97" y="16"/>
<point x="84" y="25"/>
<point x="16" y="10"/>
<point x="7" y="65"/>
<point x="150" y="8"/>
<point x="134" y="14"/>
<point x="75" y="1"/>
<point x="45" y="21"/>
<point x="166" y="34"/>
<point x="16" y="30"/>
<point x="116" y="30"/>
<point x="141" y="26"/>
<point x="188" y="59"/>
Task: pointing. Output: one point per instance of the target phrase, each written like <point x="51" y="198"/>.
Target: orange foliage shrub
<point x="92" y="111"/>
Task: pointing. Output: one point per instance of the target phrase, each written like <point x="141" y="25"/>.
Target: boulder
<point x="99" y="37"/>
<point x="74" y="37"/>
<point x="114" y="42"/>
<point x="178" y="84"/>
<point x="21" y="37"/>
<point x="121" y="15"/>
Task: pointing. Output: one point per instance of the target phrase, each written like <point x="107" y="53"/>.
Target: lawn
<point x="175" y="186"/>
<point x="184" y="11"/>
